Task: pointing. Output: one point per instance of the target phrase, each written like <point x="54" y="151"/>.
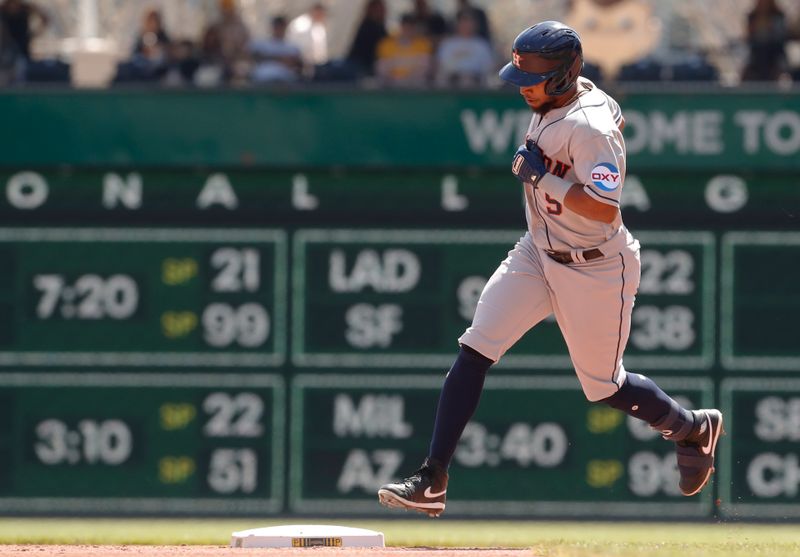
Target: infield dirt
<point x="223" y="551"/>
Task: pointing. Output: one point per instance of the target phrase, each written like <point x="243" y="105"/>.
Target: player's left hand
<point x="528" y="164"/>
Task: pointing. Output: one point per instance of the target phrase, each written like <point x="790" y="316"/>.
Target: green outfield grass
<point x="548" y="539"/>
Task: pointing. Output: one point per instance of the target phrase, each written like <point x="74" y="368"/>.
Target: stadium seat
<point x="646" y="69"/>
<point x="694" y="68"/>
<point x="138" y="70"/>
<point x="47" y="71"/>
<point x="592" y="72"/>
<point x="335" y="70"/>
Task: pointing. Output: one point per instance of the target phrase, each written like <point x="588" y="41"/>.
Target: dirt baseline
<point x="223" y="551"/>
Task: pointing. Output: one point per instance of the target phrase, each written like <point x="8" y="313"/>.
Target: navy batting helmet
<point x="549" y="51"/>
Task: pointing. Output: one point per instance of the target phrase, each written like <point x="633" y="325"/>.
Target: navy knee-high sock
<point x="641" y="398"/>
<point x="457" y="402"/>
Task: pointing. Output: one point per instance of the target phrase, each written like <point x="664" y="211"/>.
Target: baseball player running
<point x="576" y="260"/>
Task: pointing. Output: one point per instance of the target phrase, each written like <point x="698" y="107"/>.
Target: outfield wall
<point x="243" y="302"/>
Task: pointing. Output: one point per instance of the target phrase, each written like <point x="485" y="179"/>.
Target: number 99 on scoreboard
<point x="149" y="297"/>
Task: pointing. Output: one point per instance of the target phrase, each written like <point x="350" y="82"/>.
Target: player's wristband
<point x="554" y="186"/>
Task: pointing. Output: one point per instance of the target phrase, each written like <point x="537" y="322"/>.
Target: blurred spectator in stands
<point x="225" y="55"/>
<point x="152" y="42"/>
<point x="464" y="59"/>
<point x="404" y="58"/>
<point x="150" y="58"/>
<point x="23" y="21"/>
<point x="183" y="63"/>
<point x="767" y="35"/>
<point x="371" y="31"/>
<point x="479" y="15"/>
<point x="275" y="59"/>
<point x="309" y="32"/>
<point x="431" y="23"/>
<point x="615" y="33"/>
<point x="8" y="56"/>
<point x="794" y="46"/>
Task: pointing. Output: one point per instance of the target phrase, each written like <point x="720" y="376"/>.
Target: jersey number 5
<point x="554" y="207"/>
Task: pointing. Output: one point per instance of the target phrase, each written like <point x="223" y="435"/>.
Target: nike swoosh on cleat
<point x="431" y="495"/>
<point x="707" y="448"/>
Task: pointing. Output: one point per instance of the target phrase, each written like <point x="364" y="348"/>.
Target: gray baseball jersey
<point x="591" y="299"/>
<point x="581" y="143"/>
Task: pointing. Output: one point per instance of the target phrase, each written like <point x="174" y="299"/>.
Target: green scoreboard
<point x="401" y="298"/>
<point x="142" y="297"/>
<point x="760" y="301"/>
<point x="534" y="447"/>
<point x="263" y="371"/>
<point x="206" y="318"/>
<point x="760" y="472"/>
<point x="150" y="443"/>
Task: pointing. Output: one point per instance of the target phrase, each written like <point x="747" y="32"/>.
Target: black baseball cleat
<point x="696" y="452"/>
<point x="424" y="491"/>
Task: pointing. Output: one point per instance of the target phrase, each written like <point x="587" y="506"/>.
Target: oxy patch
<point x="605" y="176"/>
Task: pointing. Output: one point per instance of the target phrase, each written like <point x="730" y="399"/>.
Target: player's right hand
<point x="528" y="164"/>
